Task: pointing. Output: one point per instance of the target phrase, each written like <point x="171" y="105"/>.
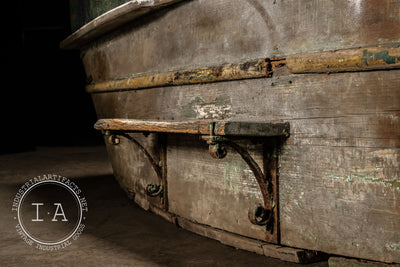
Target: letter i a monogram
<point x="59" y="212"/>
<point x="59" y="206"/>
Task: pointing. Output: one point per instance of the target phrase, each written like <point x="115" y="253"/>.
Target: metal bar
<point x="256" y="129"/>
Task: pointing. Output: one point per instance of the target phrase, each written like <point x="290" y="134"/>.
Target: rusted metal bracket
<point x="219" y="135"/>
<point x="261" y="214"/>
<point x="266" y="213"/>
<point x="152" y="189"/>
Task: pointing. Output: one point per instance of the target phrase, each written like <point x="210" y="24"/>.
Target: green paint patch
<point x="369" y="57"/>
<point x="232" y="175"/>
<point x="393" y="247"/>
<point x="366" y="176"/>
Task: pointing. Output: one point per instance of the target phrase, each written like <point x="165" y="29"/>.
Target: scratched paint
<point x="367" y="176"/>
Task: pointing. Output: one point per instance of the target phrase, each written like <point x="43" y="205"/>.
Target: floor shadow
<point x="115" y="218"/>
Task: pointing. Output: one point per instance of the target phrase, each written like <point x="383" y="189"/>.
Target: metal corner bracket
<point x="152" y="189"/>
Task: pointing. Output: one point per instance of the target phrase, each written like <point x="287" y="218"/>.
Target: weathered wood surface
<point x="339" y="170"/>
<point x="112" y="20"/>
<point x="211" y="33"/>
<point x="189" y="127"/>
<point x="128" y="161"/>
<point x="204" y="127"/>
<point x="234" y="240"/>
<point x="345" y="60"/>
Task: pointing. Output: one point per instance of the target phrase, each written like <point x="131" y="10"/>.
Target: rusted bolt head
<point x="114" y="140"/>
<point x="217" y="151"/>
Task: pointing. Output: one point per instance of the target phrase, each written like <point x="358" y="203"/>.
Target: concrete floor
<point x="118" y="232"/>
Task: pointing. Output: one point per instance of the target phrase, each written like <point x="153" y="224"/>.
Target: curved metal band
<point x="153" y="163"/>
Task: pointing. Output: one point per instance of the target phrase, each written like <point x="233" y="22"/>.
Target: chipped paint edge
<point x="345" y="60"/>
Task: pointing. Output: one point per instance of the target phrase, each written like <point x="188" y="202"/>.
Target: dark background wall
<point x="43" y="101"/>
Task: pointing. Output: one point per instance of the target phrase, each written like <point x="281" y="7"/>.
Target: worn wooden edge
<point x="204" y="127"/>
<point x="111" y="20"/>
<point x="188" y="127"/>
<point x="251" y="69"/>
<point x="359" y="59"/>
<point x="283" y="253"/>
<point x="347" y="262"/>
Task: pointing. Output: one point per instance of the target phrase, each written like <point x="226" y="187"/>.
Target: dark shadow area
<point x="115" y="218"/>
<point x="43" y="101"/>
<point x="117" y="232"/>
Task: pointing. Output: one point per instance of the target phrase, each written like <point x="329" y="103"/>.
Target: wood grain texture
<point x="189" y="127"/>
<point x="338" y="172"/>
<point x="210" y="33"/>
<point x="112" y="19"/>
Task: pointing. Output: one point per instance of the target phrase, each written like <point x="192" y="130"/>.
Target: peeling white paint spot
<point x="212" y="111"/>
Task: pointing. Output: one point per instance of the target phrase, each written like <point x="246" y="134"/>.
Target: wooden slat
<point x="188" y="127"/>
<point x="239" y="242"/>
<point x="227" y="72"/>
<point x="228" y="128"/>
<point x="359" y="59"/>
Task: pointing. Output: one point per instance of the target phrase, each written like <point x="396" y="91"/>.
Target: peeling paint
<point x="219" y="108"/>
<point x="393" y="247"/>
<point x="367" y="57"/>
